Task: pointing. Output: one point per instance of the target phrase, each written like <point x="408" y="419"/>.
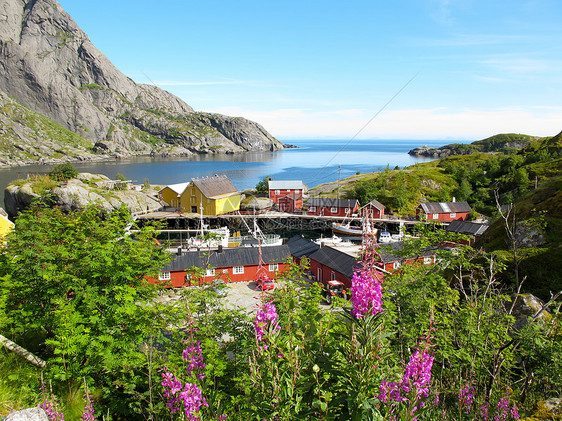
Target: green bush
<point x="63" y="172"/>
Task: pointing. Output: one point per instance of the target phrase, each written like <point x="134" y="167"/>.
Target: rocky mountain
<point x="497" y="143"/>
<point x="62" y="99"/>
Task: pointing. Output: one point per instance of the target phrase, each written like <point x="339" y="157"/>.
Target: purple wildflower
<point x="194" y="356"/>
<point x="88" y="412"/>
<point x="502" y="410"/>
<point x="264" y="316"/>
<point x="366" y="284"/>
<point x="417" y="374"/>
<point x="514" y="412"/>
<point x="466" y="398"/>
<point x="180" y="395"/>
<point x="484" y="411"/>
<point x="51" y="410"/>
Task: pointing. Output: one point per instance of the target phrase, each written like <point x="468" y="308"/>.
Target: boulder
<point x="527" y="305"/>
<point x="30" y="414"/>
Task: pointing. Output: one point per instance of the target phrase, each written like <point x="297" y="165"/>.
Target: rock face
<point x="79" y="192"/>
<point x="52" y="71"/>
<point x="31" y="414"/>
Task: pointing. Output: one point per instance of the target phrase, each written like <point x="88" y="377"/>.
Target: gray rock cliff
<point x="49" y="66"/>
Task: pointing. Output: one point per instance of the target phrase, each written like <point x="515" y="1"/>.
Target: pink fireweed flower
<point x="366" y="294"/>
<point x="179" y="395"/>
<point x="502" y="410"/>
<point x="366" y="284"/>
<point x="466" y="398"/>
<point x="417" y="374"/>
<point x="88" y="412"/>
<point x="266" y="315"/>
<point x="194" y="356"/>
<point x="51" y="410"/>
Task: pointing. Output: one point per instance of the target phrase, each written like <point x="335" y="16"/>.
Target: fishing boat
<point x="348" y="230"/>
<point x="256" y="237"/>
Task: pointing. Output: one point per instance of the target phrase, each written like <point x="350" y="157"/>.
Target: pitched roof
<point x="229" y="257"/>
<point x="328" y="202"/>
<point x="336" y="260"/>
<point x="285" y="185"/>
<point x="178" y="188"/>
<point x="375" y="203"/>
<point x="217" y="185"/>
<point x="292" y="196"/>
<point x="464" y="227"/>
<point x="300" y="246"/>
<point x="445" y="207"/>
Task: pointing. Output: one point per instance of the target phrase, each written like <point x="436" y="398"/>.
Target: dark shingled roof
<point x="446" y="207"/>
<point x="464" y="227"/>
<point x="217" y="185"/>
<point x="327" y="202"/>
<point x="336" y="260"/>
<point x="229" y="257"/>
<point x="300" y="246"/>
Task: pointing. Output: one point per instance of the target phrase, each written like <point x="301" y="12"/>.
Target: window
<point x="164" y="276"/>
<point x="435" y="216"/>
<point x="395" y="265"/>
<point x="334" y="210"/>
<point x="333" y="276"/>
<point x="313" y="209"/>
<point x="453" y="215"/>
<point x="274" y="267"/>
<point x="192" y="199"/>
<point x="427" y="260"/>
<point x="210" y="272"/>
<point x="237" y="270"/>
<point x="277" y="191"/>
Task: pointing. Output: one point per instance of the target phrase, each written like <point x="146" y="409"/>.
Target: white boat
<point x="255" y="238"/>
<point x="334" y="239"/>
<point x="348" y="230"/>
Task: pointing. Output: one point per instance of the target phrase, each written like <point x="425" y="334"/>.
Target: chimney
<point x="179" y="251"/>
<point x="454" y="199"/>
<point x="220" y="249"/>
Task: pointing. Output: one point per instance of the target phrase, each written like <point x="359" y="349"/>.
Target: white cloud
<point x="439" y="123"/>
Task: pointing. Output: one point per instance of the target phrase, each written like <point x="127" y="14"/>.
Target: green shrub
<point x="63" y="172"/>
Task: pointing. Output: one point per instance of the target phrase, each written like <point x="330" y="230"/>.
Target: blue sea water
<point x="313" y="161"/>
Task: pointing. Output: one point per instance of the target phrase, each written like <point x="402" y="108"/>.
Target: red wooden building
<point x="291" y="190"/>
<point x="471" y="229"/>
<point x="230" y="264"/>
<point x="443" y="211"/>
<point x="373" y="209"/>
<point x="290" y="203"/>
<point x="332" y="207"/>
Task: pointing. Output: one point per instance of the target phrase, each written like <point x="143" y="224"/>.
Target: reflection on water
<point x="314" y="162"/>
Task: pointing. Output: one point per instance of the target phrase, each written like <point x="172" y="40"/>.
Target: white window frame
<point x="164" y="276"/>
<point x="313" y="209"/>
<point x="453" y="214"/>
<point x="277" y="191"/>
<point x="334" y="210"/>
<point x="333" y="276"/>
<point x="273" y="267"/>
<point x="237" y="270"/>
<point x="427" y="260"/>
<point x="210" y="272"/>
<point x="396" y="265"/>
<point x="435" y="216"/>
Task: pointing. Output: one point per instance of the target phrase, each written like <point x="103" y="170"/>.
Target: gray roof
<point x="446" y="207"/>
<point x="375" y="203"/>
<point x="300" y="246"/>
<point x="217" y="185"/>
<point x="328" y="202"/>
<point x="336" y="260"/>
<point x="229" y="257"/>
<point x="285" y="185"/>
<point x="464" y="227"/>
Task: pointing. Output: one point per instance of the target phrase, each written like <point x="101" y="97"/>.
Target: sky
<point x="410" y="69"/>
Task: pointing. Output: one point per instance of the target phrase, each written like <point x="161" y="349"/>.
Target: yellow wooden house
<point x="5" y="225"/>
<point x="212" y="195"/>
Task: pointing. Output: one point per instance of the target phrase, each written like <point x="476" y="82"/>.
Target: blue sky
<point x="324" y="69"/>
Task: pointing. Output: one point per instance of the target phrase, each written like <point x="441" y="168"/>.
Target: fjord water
<point x="313" y="161"/>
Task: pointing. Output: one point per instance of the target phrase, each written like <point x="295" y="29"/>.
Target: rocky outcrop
<point x="80" y="192"/>
<point x="49" y="66"/>
<point x="497" y="143"/>
<point x="30" y="414"/>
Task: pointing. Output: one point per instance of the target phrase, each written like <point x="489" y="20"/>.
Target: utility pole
<point x="339" y="176"/>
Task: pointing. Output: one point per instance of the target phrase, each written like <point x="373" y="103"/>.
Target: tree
<point x="74" y="284"/>
<point x="63" y="172"/>
<point x="263" y="186"/>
